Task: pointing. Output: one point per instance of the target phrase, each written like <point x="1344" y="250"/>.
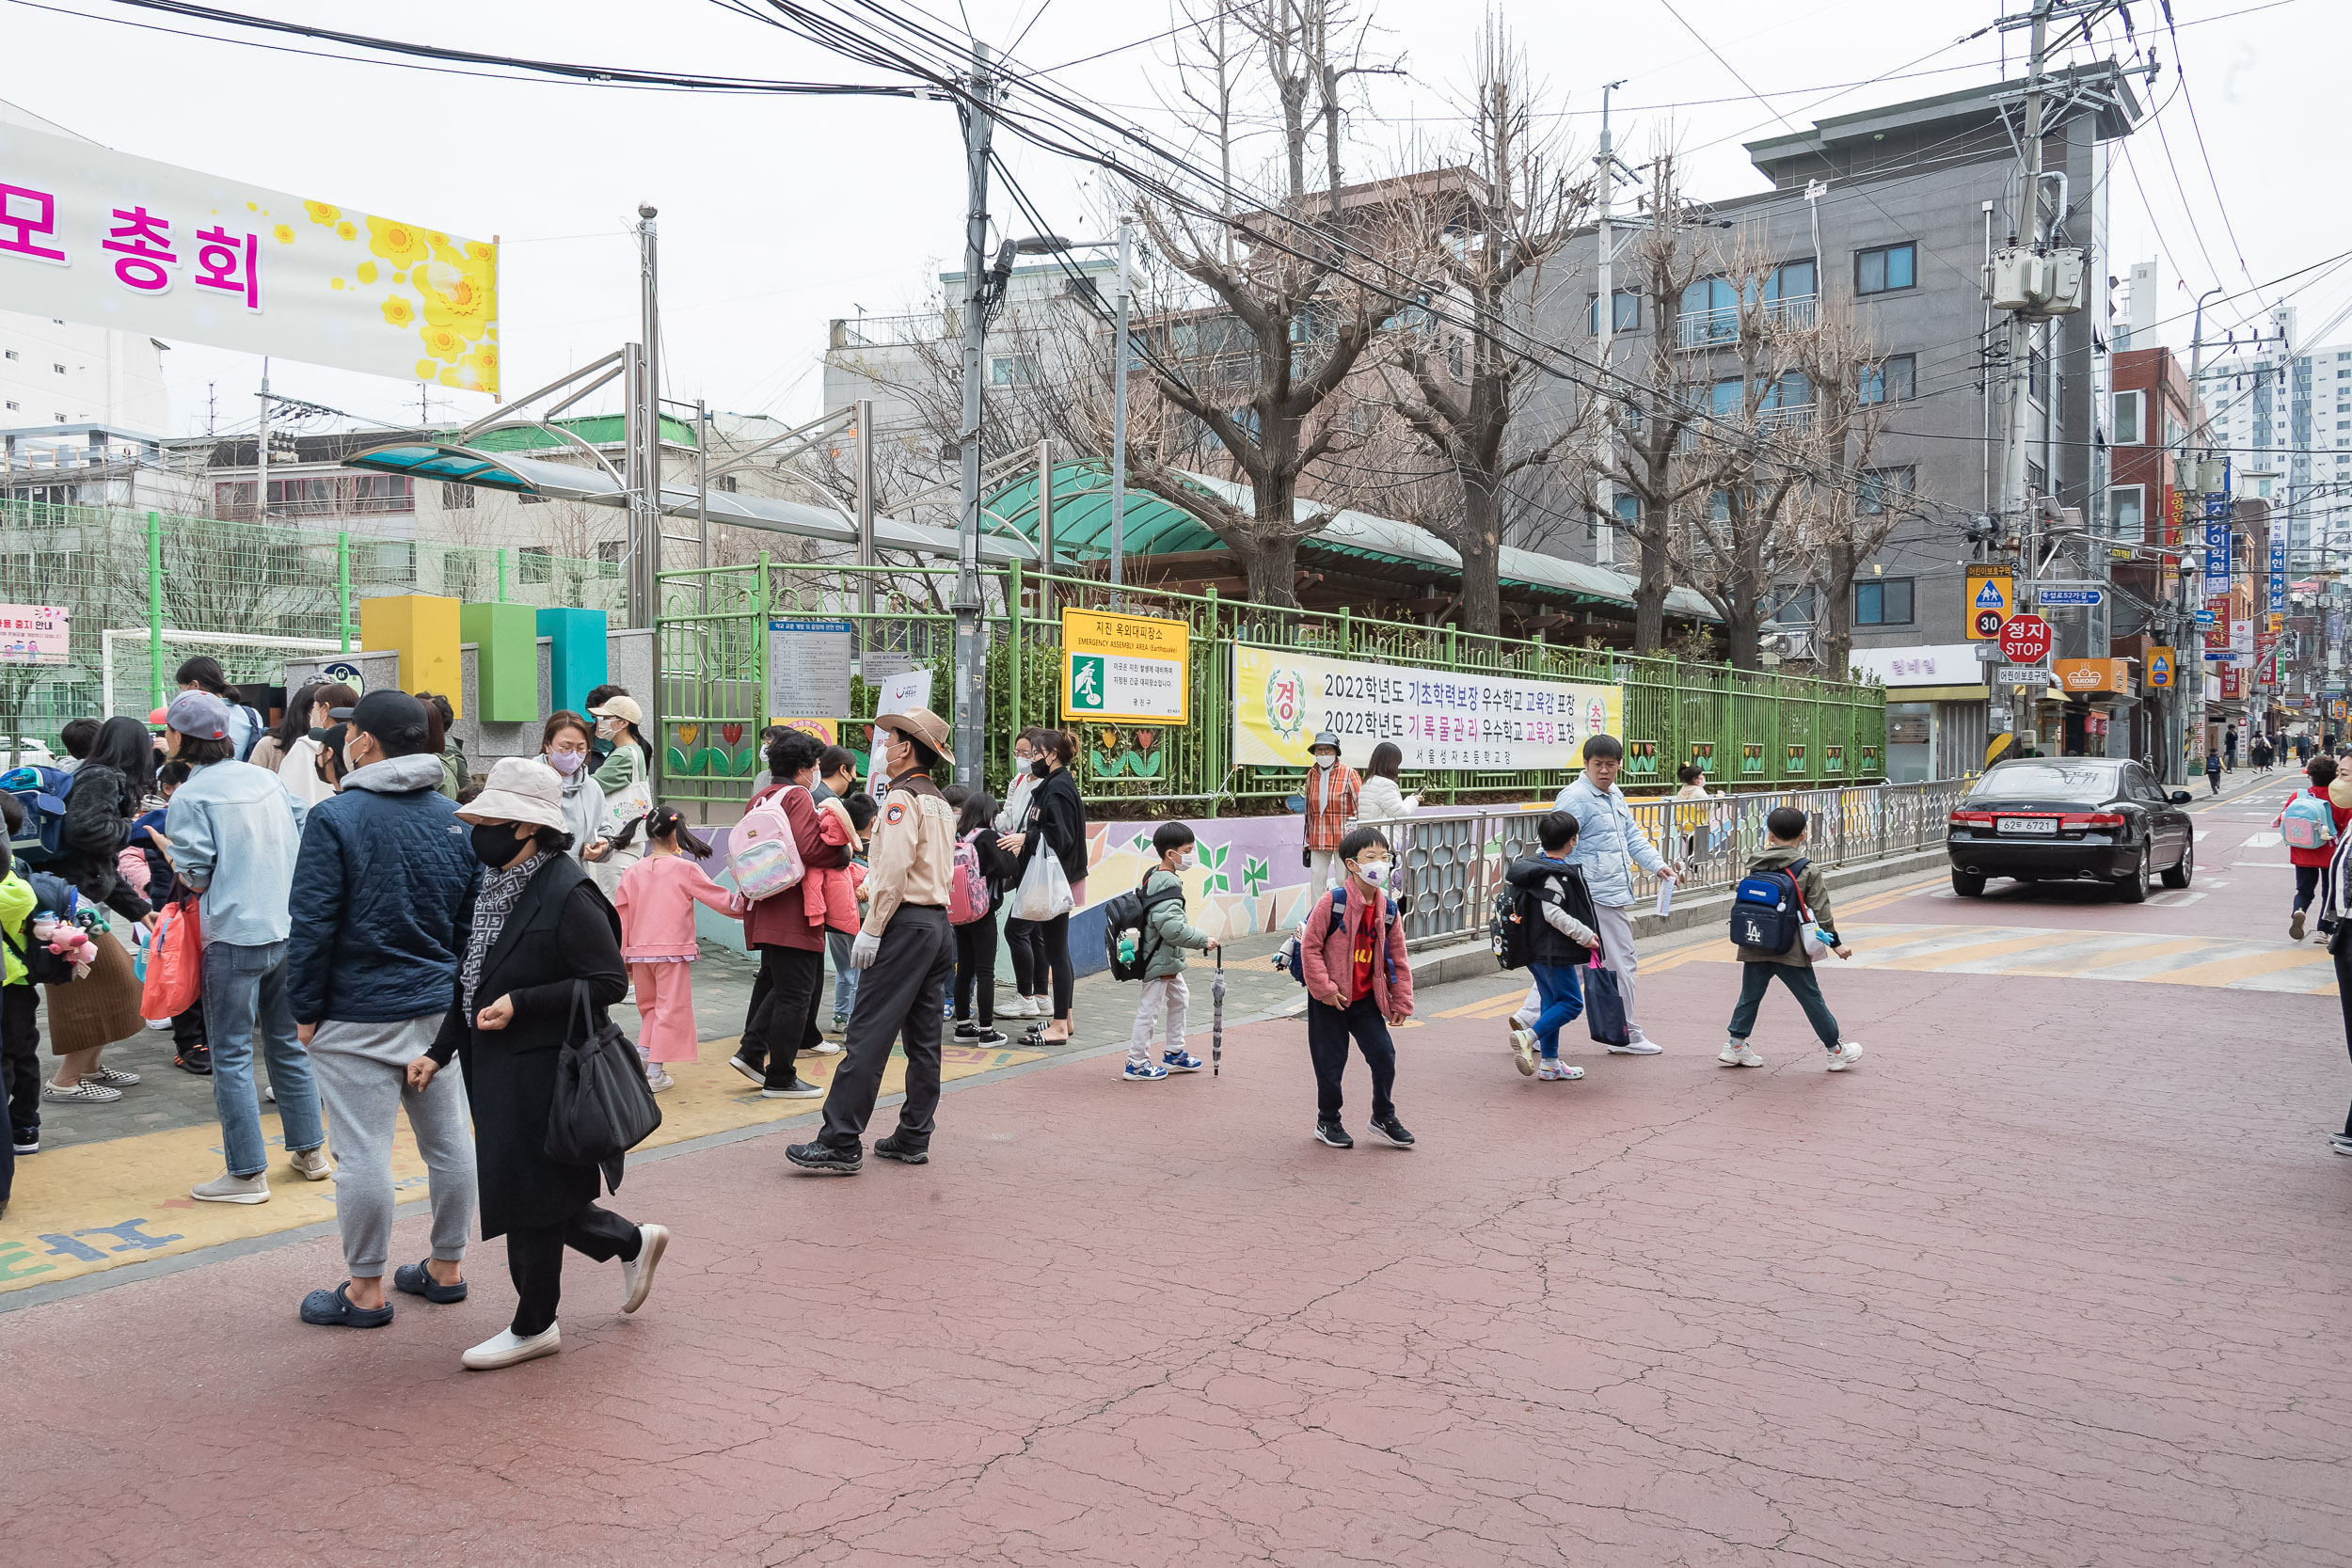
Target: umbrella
<point x="1216" y="1018"/>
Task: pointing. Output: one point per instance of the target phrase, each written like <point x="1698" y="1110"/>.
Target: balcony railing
<point x="1698" y="329"/>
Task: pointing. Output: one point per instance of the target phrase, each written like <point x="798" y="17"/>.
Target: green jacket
<point x="1170" y="932"/>
<point x="16" y="906"/>
<point x="1812" y="884"/>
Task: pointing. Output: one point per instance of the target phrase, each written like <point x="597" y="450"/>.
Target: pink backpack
<point x="763" y="857"/>
<point x="967" y="890"/>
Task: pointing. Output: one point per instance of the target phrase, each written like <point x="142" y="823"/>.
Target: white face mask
<point x="1375" y="872"/>
<point x="1325" y="762"/>
<point x="1186" y="860"/>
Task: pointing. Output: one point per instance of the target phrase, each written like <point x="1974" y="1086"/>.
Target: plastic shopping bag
<point x="1044" y="891"/>
<point x="175" y="964"/>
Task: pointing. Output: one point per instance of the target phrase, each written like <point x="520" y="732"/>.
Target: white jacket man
<point x="1610" y="844"/>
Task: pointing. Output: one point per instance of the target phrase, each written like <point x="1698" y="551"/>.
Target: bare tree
<point x="1852" y="507"/>
<point x="1487" y="230"/>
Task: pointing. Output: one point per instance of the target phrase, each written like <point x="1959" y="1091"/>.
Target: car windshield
<point x="2047" y="781"/>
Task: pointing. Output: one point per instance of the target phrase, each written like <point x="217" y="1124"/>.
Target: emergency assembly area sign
<point x="1130" y="667"/>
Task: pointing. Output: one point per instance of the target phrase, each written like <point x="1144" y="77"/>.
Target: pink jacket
<point x="829" y="893"/>
<point x="1323" y="954"/>
<point x="657" y="899"/>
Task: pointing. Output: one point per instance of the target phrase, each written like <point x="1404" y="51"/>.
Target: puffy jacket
<point x="383" y="877"/>
<point x="782" y="920"/>
<point x="1325" y="945"/>
<point x="97" y="826"/>
<point x="1608" y="842"/>
<point x="1171" y="933"/>
<point x="1562" y="886"/>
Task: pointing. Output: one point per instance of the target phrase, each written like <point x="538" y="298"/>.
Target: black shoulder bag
<point x="603" y="1108"/>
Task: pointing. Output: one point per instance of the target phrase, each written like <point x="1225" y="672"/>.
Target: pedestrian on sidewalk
<point x="1161" y="951"/>
<point x="781" y="1022"/>
<point x="109" y="790"/>
<point x="1561" y="945"/>
<point x="836" y="780"/>
<point x="1351" y="955"/>
<point x="565" y="742"/>
<point x="537" y="930"/>
<point x="381" y="884"/>
<point x="975" y="938"/>
<point x="1785" y="831"/>
<point x="233" y="833"/>
<point x="626" y="780"/>
<point x="164" y="888"/>
<point x="1030" y="968"/>
<point x="1334" y="791"/>
<point x="2213" y="771"/>
<point x="304" y="771"/>
<point x="2339" y="906"/>
<point x="204" y="674"/>
<point x="657" y="905"/>
<point x="908" y="951"/>
<point x="1055" y="824"/>
<point x="20" y="1000"/>
<point x="2323" y="822"/>
<point x="2229" y="747"/>
<point x="1609" y="845"/>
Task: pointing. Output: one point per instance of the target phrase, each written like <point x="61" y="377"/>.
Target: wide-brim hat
<point x="1324" y="737"/>
<point x="520" y="789"/>
<point x="922" y="723"/>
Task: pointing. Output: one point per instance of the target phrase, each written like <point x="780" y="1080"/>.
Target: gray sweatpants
<point x="362" y="1073"/>
<point x="1169" y="992"/>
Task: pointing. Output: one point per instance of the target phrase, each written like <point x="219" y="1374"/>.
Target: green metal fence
<point x="116" y="569"/>
<point x="1755" y="729"/>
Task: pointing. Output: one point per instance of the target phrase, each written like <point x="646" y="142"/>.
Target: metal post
<point x="1044" y="529"/>
<point x="866" y="498"/>
<point x="2013" y="498"/>
<point x="702" y="485"/>
<point x="1012" y="613"/>
<point x="261" y="453"/>
<point x="633" y="471"/>
<point x="978" y="127"/>
<point x="342" y="588"/>
<point x="1119" y="419"/>
<point x="155" y="609"/>
<point x="645" y="544"/>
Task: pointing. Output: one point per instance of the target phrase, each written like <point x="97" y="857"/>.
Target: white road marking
<point x="2259" y="841"/>
<point x="2177" y="898"/>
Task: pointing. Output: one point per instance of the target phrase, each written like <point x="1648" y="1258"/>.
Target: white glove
<point x="863" y="950"/>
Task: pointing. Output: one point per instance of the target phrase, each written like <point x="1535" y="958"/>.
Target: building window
<point x="2038" y="376"/>
<point x="2127" y="505"/>
<point x="2131" y="429"/>
<point x="1882" y="602"/>
<point x="11" y="407"/>
<point x="1790" y="606"/>
<point x="380" y="492"/>
<point x="2037" y="480"/>
<point x="11" y="353"/>
<point x="1627" y="317"/>
<point x="1011" y="370"/>
<point x="1879" y="488"/>
<point x="1886" y="269"/>
<point x="456" y="498"/>
<point x="1894" y="379"/>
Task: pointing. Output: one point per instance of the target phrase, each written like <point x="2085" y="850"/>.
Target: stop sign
<point x="2024" y="638"/>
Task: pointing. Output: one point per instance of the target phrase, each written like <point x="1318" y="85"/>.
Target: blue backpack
<point x="42" y="791"/>
<point x="1767" y="909"/>
<point x="1286" y="957"/>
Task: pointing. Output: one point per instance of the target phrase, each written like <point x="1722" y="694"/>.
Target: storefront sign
<point x="1936" y="664"/>
<point x="2217" y="544"/>
<point x="1439" y="717"/>
<point x="1125" y="667"/>
<point x="2094" y="674"/>
<point x="2277" y="574"/>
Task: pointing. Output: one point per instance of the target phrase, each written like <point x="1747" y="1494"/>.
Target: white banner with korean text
<point x="1437" y="718"/>
<point x="95" y="236"/>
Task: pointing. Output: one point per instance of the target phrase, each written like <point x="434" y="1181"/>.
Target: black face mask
<point x="1041" y="767"/>
<point x="495" y="843"/>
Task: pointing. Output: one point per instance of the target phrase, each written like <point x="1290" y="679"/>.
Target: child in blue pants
<point x="1564" y="943"/>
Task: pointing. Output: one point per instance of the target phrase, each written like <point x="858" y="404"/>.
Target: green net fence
<point x="152" y="575"/>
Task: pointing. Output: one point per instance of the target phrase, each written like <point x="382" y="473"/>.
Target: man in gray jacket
<point x="381" y="885"/>
<point x="1610" y="844"/>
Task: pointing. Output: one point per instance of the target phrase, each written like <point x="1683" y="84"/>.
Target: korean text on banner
<point x="808" y="666"/>
<point x="1437" y="718"/>
<point x="32" y="634"/>
<point x="1125" y="667"/>
<point x="90" y="235"/>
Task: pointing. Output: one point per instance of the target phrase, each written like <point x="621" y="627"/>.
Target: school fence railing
<point x="1454" y="858"/>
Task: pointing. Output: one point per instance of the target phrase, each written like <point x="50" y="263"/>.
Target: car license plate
<point x="2028" y="824"/>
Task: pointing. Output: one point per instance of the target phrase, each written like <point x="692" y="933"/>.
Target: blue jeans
<point x="1564" y="1003"/>
<point x="244" y="988"/>
<point x="1803" y="984"/>
<point x="844" y="977"/>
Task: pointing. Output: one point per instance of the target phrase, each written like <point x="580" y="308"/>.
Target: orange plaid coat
<point x="1330" y="805"/>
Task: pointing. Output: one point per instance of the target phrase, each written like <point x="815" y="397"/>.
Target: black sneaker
<point x="800" y="1089"/>
<point x="989" y="1038"/>
<point x="825" y="1159"/>
<point x="197" y="1059"/>
<point x="966" y="1031"/>
<point x="1393" y="1130"/>
<point x="891" y="1148"/>
<point x="1333" y="1133"/>
<point x="27" y="1140"/>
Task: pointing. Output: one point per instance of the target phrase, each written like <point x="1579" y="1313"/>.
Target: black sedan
<point x="2072" y="818"/>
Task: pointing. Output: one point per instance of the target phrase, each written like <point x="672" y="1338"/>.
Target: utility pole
<point x="1118" y="421"/>
<point x="261" y="453"/>
<point x="644" y="434"/>
<point x="2015" y="502"/>
<point x="1605" y="325"/>
<point x="979" y="123"/>
<point x="2189" y="482"/>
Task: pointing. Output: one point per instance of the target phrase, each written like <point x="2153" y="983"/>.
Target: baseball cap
<point x="199" y="714"/>
<point x="391" y="717"/>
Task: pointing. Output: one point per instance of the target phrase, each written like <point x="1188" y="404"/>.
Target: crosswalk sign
<point x="1992" y="598"/>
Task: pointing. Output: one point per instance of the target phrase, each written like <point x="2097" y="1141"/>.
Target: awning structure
<point x="520" y="475"/>
<point x="1154" y="526"/>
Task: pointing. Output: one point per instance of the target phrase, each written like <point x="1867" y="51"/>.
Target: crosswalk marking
<point x="2233" y="963"/>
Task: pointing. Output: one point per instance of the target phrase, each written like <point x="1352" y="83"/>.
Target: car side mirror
<point x="2180" y="797"/>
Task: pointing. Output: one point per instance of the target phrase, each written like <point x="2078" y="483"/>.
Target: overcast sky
<point x="779" y="214"/>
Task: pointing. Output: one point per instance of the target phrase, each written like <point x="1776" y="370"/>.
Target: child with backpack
<point x="656" y="900"/>
<point x="1152" y="917"/>
<point x="981" y="873"/>
<point x="2311" y="824"/>
<point x="1553" y="909"/>
<point x="1781" y="894"/>
<point x="1351" y="956"/>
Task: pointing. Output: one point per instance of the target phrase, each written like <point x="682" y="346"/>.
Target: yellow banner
<point x="1437" y="718"/>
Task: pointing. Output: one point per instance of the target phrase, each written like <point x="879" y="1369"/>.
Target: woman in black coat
<point x="537" y="929"/>
<point x="1056" y="820"/>
<point x="107" y="790"/>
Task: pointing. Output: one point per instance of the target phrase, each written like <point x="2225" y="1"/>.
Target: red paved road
<point x="2058" y="1276"/>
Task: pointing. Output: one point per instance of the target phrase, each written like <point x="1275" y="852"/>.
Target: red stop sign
<point x="2024" y="638"/>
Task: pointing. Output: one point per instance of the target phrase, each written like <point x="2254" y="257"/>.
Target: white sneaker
<point x="637" y="1273"/>
<point x="1637" y="1046"/>
<point x="823" y="1048"/>
<point x="657" y="1077"/>
<point x="1523" y="1050"/>
<point x="226" y="1188"/>
<point x="312" y="1164"/>
<point x="1559" y="1072"/>
<point x="1737" y="1053"/>
<point x="1845" y="1056"/>
<point x="505" y="1348"/>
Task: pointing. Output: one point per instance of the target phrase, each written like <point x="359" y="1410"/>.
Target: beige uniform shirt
<point x="912" y="855"/>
